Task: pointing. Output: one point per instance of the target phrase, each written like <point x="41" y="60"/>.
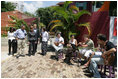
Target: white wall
<point x="112" y="38"/>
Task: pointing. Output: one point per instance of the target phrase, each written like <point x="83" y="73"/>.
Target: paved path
<point x="37" y="66"/>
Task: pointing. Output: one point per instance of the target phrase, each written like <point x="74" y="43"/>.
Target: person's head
<point x="22" y="27"/>
<point x="14" y="29"/>
<point x="35" y="26"/>
<point x="86" y="37"/>
<point x="58" y="35"/>
<point x="31" y="28"/>
<point x="101" y="38"/>
<point x="72" y="36"/>
<point x="43" y="29"/>
<point x="11" y="29"/>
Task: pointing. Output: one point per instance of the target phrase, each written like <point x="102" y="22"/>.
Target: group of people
<point x="16" y="39"/>
<point x="105" y="54"/>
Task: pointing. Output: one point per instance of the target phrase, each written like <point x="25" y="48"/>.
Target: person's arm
<point x="55" y="41"/>
<point x="28" y="37"/>
<point x="84" y="45"/>
<point x="76" y="43"/>
<point x="15" y="34"/>
<point x="81" y="44"/>
<point x="88" y="44"/>
<point x="25" y="34"/>
<point x="47" y="35"/>
<point x="62" y="42"/>
<point x="112" y="50"/>
<point x="8" y="34"/>
<point x="68" y="45"/>
<point x="38" y="35"/>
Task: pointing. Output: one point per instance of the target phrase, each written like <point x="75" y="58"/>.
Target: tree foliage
<point x="7" y="6"/>
<point x="46" y="15"/>
<point x="67" y="24"/>
<point x="29" y="14"/>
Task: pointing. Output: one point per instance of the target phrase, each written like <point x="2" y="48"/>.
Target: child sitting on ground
<point x="98" y="53"/>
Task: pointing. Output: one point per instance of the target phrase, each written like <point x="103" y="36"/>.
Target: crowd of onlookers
<point x="94" y="57"/>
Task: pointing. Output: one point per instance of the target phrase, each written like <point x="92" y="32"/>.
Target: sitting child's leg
<point x="94" y="54"/>
<point x="81" y="53"/>
<point x="89" y="59"/>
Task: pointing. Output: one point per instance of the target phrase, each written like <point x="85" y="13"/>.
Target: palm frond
<point x="71" y="33"/>
<point x="74" y="8"/>
<point x="66" y="4"/>
<point x="79" y="14"/>
<point x="61" y="11"/>
<point x="87" y="25"/>
<point x="53" y="22"/>
<point x="56" y="25"/>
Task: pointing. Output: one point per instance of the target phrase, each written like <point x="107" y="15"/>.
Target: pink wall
<point x="99" y="24"/>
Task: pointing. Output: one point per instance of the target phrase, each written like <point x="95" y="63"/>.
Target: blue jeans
<point x="96" y="60"/>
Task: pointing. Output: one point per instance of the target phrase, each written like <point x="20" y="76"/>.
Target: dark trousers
<point x="12" y="45"/>
<point x="68" y="57"/>
<point x="70" y="53"/>
<point x="44" y="47"/>
<point x="36" y="46"/>
<point x="31" y="48"/>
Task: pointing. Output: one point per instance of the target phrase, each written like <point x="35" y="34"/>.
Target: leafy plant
<point x="4" y="31"/>
<point x="67" y="24"/>
<point x="41" y="25"/>
<point x="18" y="22"/>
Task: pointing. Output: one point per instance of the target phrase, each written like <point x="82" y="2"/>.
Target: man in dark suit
<point x="36" y="30"/>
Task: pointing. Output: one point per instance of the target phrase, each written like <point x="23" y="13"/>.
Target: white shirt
<point x="11" y="35"/>
<point x="20" y="33"/>
<point x="35" y="30"/>
<point x="59" y="40"/>
<point x="72" y="42"/>
<point x="98" y="53"/>
<point x="45" y="36"/>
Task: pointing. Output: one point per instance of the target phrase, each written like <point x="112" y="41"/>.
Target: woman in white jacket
<point x="11" y="41"/>
<point x="45" y="37"/>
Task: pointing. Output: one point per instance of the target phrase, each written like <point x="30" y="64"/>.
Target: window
<point x="81" y="5"/>
<point x="99" y="4"/>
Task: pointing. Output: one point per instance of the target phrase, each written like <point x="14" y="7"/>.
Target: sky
<point x="32" y="6"/>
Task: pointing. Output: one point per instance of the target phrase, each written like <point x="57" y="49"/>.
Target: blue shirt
<point x="20" y="33"/>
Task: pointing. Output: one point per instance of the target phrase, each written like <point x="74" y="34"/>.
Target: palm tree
<point x="68" y="22"/>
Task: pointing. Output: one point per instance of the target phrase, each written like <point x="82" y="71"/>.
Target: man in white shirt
<point x="20" y="36"/>
<point x="45" y="37"/>
<point x="58" y="44"/>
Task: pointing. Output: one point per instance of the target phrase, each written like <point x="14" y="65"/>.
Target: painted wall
<point x="99" y="23"/>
